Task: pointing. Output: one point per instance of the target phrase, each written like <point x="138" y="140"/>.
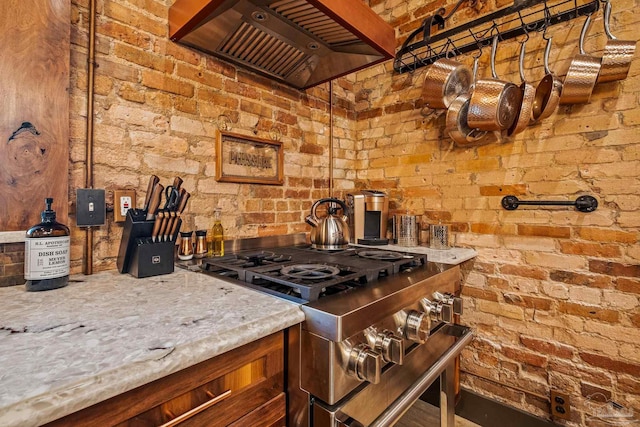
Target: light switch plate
<point x="91" y="208"/>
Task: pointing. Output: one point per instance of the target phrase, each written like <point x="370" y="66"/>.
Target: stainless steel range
<point x="380" y="327"/>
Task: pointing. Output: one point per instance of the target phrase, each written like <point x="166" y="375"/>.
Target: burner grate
<point x="299" y="278"/>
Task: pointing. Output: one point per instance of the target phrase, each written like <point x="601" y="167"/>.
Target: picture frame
<point x="250" y="160"/>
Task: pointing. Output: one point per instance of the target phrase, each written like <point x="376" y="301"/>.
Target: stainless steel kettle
<point x="332" y="231"/>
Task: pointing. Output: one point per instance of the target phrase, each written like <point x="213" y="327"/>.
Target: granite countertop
<point x="104" y="334"/>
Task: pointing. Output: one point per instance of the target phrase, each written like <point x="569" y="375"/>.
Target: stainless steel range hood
<point x="299" y="42"/>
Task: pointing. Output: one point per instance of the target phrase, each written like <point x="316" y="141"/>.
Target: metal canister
<point x="439" y="236"/>
<point x="407" y="230"/>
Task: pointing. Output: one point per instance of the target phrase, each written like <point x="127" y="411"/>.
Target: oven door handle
<point x="393" y="413"/>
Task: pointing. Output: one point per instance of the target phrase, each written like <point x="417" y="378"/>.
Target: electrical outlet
<point x="560" y="405"/>
<point x="123" y="200"/>
<point x="91" y="208"/>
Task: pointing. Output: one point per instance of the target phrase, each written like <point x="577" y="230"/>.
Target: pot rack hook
<point x="525" y="28"/>
<point x="478" y="44"/>
<point x="547" y="21"/>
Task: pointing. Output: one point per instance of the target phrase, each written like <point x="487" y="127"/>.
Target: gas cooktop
<point x="303" y="274"/>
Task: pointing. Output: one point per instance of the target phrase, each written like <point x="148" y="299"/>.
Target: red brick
<point x="503" y="190"/>
<point x="543" y="230"/>
<point x="370" y="114"/>
<point x="547" y="347"/>
<point x="628" y="285"/>
<point x="607" y="235"/>
<point x="125" y="34"/>
<point x="311" y="148"/>
<point x="528" y="301"/>
<point x="590" y="249"/>
<point x="635" y="319"/>
<point x="241" y="89"/>
<point x="286" y="118"/>
<point x="611" y="364"/>
<point x="143" y="58"/>
<point x="595" y="393"/>
<point x="590" y="312"/>
<point x="252" y="218"/>
<point x="472" y="292"/>
<point x="255" y="108"/>
<point x="165" y="83"/>
<point x="518" y="354"/>
<point x="590" y="280"/>
<point x="268" y="192"/>
<point x="483" y="228"/>
<point x="523" y="271"/>
<point x="614" y="268"/>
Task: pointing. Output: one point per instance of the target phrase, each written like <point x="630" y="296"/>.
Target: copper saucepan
<point x="445" y="80"/>
<point x="582" y="74"/>
<point x="617" y="56"/>
<point x="523" y="117"/>
<point x="548" y="90"/>
<point x="493" y="102"/>
<point x="456" y="123"/>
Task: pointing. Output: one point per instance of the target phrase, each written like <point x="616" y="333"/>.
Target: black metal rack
<point x="525" y="16"/>
<point x="583" y="203"/>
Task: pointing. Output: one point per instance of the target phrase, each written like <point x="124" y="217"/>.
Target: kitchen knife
<point x="171" y="219"/>
<point x="176" y="220"/>
<point x="155" y="201"/>
<point x="156" y="226"/>
<point x="163" y="227"/>
<point x="177" y="182"/>
<point x="153" y="181"/>
<point x="173" y="215"/>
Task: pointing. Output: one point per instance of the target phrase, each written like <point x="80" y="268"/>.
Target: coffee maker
<point x="368" y="213"/>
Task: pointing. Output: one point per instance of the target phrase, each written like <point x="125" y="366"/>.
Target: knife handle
<point x="153" y="180"/>
<point x="177" y="182"/>
<point x="170" y="219"/>
<point x="174" y="226"/>
<point x="155" y="201"/>
<point x="183" y="201"/>
<point x="156" y="226"/>
<point x="164" y="226"/>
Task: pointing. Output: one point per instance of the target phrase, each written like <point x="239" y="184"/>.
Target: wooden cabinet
<point x="244" y="387"/>
<point x="34" y="124"/>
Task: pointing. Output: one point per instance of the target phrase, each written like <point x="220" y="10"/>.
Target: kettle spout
<point x="311" y="220"/>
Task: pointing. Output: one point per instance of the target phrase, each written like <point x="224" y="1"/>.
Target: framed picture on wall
<point x="245" y="159"/>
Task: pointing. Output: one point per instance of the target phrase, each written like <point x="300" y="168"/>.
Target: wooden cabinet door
<point x="34" y="124"/>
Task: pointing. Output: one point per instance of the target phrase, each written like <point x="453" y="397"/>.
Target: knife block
<point x="138" y="255"/>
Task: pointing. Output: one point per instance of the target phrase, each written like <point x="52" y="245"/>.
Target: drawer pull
<point x="197" y="409"/>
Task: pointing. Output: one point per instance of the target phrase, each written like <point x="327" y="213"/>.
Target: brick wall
<point x="553" y="294"/>
<point x="11" y="264"/>
<point x="157" y="109"/>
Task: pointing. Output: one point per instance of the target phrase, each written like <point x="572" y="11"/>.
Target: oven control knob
<point x="451" y="305"/>
<point x="365" y="364"/>
<point x="417" y="327"/>
<point x="390" y="347"/>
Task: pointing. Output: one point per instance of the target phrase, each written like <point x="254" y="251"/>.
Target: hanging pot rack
<point x="525" y="16"/>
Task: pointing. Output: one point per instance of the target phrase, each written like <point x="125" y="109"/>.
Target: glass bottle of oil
<point x="216" y="241"/>
<point x="47" y="253"/>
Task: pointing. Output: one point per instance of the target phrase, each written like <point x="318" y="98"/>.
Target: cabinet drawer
<point x="212" y="393"/>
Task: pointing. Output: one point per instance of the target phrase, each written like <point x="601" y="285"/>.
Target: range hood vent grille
<point x="299" y="42"/>
<point x="252" y="45"/>
<point x="314" y="21"/>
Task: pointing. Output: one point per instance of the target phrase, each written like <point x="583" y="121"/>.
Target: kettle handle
<point x="343" y="205"/>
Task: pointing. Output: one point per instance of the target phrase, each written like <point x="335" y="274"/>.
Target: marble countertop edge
<point x="39" y="410"/>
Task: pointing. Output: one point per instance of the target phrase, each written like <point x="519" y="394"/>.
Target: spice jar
<point x="201" y="244"/>
<point x="185" y="249"/>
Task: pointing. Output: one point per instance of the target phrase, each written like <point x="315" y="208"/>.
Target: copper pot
<point x="618" y="54"/>
<point x="523" y="117"/>
<point x="548" y="90"/>
<point x="445" y="80"/>
<point x="582" y="74"/>
<point x="457" y="125"/>
<point x="494" y="102"/>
